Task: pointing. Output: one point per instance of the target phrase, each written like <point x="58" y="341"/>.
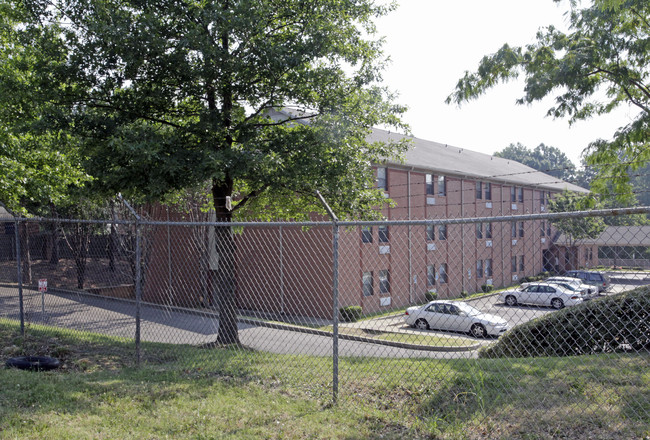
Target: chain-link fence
<point x="330" y="302"/>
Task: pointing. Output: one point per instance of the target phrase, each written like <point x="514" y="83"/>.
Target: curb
<point x="277" y="326"/>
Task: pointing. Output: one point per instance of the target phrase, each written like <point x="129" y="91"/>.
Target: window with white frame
<point x="479" y="230"/>
<point x="366" y="234"/>
<point x="488" y="267"/>
<point x="479" y="268"/>
<point x="382" y="182"/>
<point x="442" y="232"/>
<point x="543" y="228"/>
<point x="479" y="190"/>
<point x="442" y="274"/>
<point x="431" y="233"/>
<point x="513" y="194"/>
<point x="522" y="267"/>
<point x="382" y="233"/>
<point x="513" y="263"/>
<point x="521" y="229"/>
<point x="488" y="191"/>
<point x="488" y="230"/>
<point x="442" y="188"/>
<point x="384" y="281"/>
<point x="520" y="194"/>
<point x="431" y="275"/>
<point x="429" y="184"/>
<point x="367" y="284"/>
<point x="513" y="229"/>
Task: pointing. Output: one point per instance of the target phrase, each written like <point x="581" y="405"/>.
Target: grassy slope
<point x="200" y="393"/>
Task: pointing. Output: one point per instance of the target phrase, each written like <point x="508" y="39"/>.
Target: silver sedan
<point x="455" y="316"/>
<point x="542" y="294"/>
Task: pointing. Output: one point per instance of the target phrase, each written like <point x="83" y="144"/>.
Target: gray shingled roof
<point x="445" y="159"/>
<point x="453" y="161"/>
<point x="616" y="236"/>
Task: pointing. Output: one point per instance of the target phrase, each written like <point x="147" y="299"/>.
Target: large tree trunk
<point x="225" y="280"/>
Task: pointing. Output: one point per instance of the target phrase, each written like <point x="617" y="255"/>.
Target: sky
<point x="431" y="43"/>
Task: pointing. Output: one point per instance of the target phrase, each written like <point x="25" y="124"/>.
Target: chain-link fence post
<point x="335" y="299"/>
<point x="20" y="276"/>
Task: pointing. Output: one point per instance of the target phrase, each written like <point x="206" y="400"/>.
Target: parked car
<point x="455" y="316"/>
<point x="594" y="278"/>
<point x="543" y="294"/>
<point x="577" y="283"/>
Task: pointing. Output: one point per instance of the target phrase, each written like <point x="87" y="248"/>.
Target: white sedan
<point x="543" y="294"/>
<point x="455" y="316"/>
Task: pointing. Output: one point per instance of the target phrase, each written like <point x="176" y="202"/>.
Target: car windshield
<point x="471" y="311"/>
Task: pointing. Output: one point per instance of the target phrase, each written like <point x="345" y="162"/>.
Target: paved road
<point x="116" y="318"/>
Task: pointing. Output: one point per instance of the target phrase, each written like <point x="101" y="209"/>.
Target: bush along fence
<point x="340" y="290"/>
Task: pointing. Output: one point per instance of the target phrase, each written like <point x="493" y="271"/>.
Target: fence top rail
<point x="350" y="223"/>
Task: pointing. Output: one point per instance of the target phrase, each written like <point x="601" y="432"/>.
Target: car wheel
<point x="478" y="331"/>
<point x="511" y="300"/>
<point x="557" y="303"/>
<point x="33" y="363"/>
<point x="422" y="324"/>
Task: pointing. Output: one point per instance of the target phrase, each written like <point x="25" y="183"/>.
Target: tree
<point x="549" y="160"/>
<point x="169" y="95"/>
<point x="600" y="64"/>
<point x="37" y="167"/>
<point x="575" y="229"/>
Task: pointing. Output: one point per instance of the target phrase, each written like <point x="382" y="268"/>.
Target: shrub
<point x="608" y="324"/>
<point x="350" y="313"/>
<point x="431" y="295"/>
<point x="544" y="275"/>
<point x="487" y="288"/>
<point x="464" y="294"/>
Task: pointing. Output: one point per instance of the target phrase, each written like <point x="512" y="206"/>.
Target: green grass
<point x="433" y="340"/>
<point x="185" y="392"/>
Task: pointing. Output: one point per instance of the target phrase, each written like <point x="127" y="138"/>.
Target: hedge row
<point x="608" y="324"/>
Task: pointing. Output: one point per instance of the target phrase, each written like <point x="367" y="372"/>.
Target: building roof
<point x="616" y="236"/>
<point x="449" y="160"/>
<point x="434" y="157"/>
<point x="5" y="215"/>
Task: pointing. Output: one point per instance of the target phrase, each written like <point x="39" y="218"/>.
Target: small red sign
<point x="42" y="285"/>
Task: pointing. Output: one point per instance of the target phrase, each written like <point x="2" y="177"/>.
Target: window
<point x="513" y="264"/>
<point x="442" y="190"/>
<point x="429" y="184"/>
<point x="520" y="195"/>
<point x="543" y="226"/>
<point x="442" y="232"/>
<point x="431" y="233"/>
<point x="488" y="191"/>
<point x="366" y="234"/>
<point x="488" y="230"/>
<point x="384" y="281"/>
<point x="381" y="178"/>
<point x="442" y="275"/>
<point x="521" y="229"/>
<point x="479" y="268"/>
<point x="383" y="234"/>
<point x="513" y="227"/>
<point x="431" y="275"/>
<point x="479" y="230"/>
<point x="521" y="263"/>
<point x="513" y="194"/>
<point x="548" y="229"/>
<point x="479" y="190"/>
<point x="367" y="284"/>
<point x="542" y="198"/>
<point x="488" y="267"/>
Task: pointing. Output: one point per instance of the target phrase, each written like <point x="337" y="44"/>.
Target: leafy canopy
<point x="37" y="166"/>
<point x="599" y="65"/>
<point x="550" y="160"/>
<point x="170" y="95"/>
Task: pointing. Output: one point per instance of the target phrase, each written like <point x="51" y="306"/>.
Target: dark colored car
<point x="595" y="278"/>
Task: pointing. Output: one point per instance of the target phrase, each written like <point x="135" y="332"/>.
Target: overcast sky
<point x="432" y="43"/>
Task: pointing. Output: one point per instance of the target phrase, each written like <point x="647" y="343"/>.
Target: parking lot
<point x="517" y="315"/>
